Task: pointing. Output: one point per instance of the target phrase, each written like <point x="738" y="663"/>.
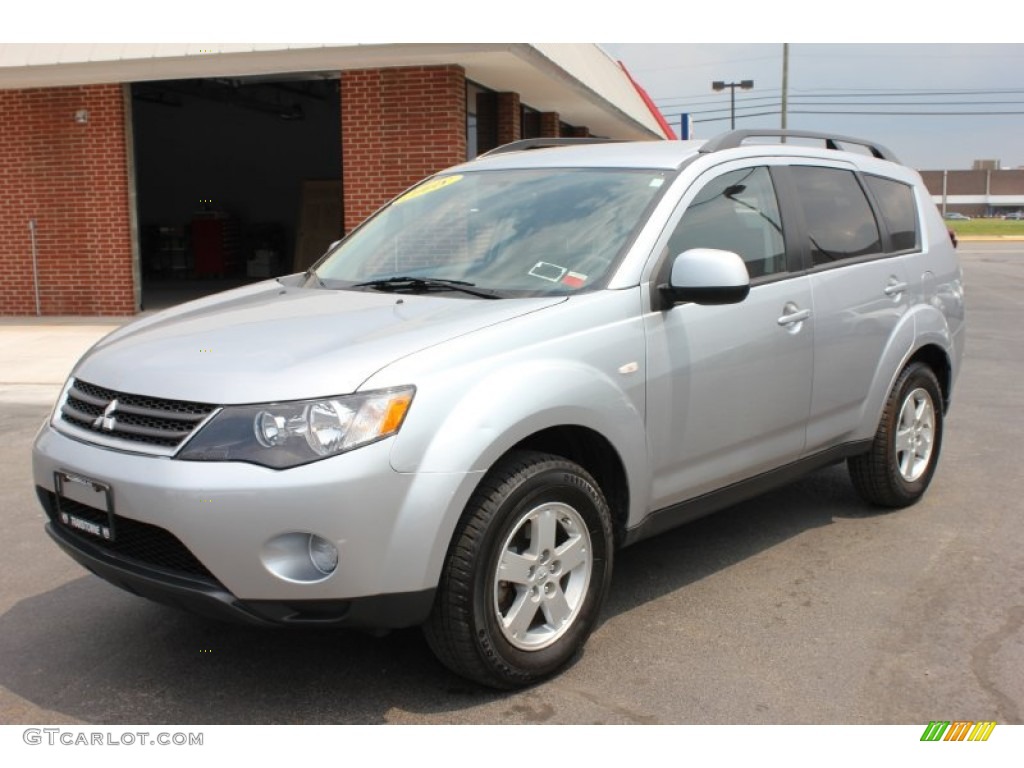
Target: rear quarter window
<point x="899" y="211"/>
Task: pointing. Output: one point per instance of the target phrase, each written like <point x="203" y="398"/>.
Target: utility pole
<point x="785" y="84"/>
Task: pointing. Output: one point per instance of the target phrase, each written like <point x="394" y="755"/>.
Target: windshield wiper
<point x="425" y="284"/>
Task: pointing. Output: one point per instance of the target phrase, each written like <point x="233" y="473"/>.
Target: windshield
<point x="514" y="233"/>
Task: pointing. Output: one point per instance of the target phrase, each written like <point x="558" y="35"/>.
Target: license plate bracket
<point x="84" y="504"/>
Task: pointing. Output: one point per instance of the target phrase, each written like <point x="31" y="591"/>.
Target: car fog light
<point x="300" y="557"/>
<point x="323" y="554"/>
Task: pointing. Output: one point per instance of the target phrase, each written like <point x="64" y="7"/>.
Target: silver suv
<point x="513" y="369"/>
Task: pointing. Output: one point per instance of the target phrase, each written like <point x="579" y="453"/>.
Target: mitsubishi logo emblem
<point x="106" y="422"/>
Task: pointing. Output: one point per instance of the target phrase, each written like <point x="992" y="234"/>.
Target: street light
<point x="721" y="85"/>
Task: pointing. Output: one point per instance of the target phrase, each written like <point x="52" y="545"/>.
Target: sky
<point x="969" y="79"/>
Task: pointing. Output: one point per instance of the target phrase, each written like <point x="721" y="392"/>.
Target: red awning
<point x="662" y="123"/>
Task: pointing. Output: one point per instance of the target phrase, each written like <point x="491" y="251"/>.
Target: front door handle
<point x="895" y="287"/>
<point x="792" y="314"/>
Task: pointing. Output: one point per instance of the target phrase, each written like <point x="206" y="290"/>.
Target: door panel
<point x="857" y="310"/>
<point x="859" y="296"/>
<point x="728" y="389"/>
<point x="729" y="386"/>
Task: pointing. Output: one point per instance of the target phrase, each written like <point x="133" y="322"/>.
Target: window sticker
<point x="545" y="271"/>
<point x="574" y="280"/>
<point x="428" y="187"/>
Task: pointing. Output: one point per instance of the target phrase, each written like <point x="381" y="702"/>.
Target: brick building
<point x="128" y="172"/>
<point x="979" y="192"/>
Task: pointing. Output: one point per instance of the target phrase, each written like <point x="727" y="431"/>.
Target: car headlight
<point x="281" y="435"/>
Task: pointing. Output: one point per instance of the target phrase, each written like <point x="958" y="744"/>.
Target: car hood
<point x="272" y="342"/>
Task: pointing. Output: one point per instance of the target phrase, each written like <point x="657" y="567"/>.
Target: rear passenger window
<point x="839" y="220"/>
<point x="896" y="201"/>
<point x="736" y="212"/>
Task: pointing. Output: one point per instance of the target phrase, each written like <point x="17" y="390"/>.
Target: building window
<point x="529" y="122"/>
<point x="472" y="119"/>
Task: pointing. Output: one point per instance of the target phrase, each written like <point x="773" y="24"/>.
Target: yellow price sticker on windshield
<point x="431" y="186"/>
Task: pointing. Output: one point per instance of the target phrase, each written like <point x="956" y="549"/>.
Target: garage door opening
<point x="237" y="180"/>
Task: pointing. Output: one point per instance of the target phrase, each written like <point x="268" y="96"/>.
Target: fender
<point x="492" y="416"/>
<point x="922" y="326"/>
<point x="481" y="394"/>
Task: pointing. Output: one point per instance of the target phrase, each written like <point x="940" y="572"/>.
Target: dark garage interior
<point x="237" y="180"/>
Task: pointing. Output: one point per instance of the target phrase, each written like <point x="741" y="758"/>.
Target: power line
<point x="740" y="109"/>
<point x="965" y="114"/>
<point x="870" y="93"/>
<point x="722" y="119"/>
<point x="711" y="63"/>
<point x="745" y="99"/>
<point x="912" y="104"/>
<point x="805" y="54"/>
<point x="840" y="93"/>
<point x="857" y="112"/>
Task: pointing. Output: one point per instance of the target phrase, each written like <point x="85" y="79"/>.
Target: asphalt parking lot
<point x="802" y="606"/>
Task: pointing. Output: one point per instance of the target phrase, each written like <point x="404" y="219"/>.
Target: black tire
<point x="898" y="468"/>
<point x="532" y="518"/>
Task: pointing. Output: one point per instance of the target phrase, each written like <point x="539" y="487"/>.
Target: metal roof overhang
<point x="579" y="81"/>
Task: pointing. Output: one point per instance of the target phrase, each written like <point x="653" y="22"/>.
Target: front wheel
<point x="898" y="468"/>
<point x="526" y="573"/>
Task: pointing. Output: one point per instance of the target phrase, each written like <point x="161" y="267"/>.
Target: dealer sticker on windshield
<point x="427" y="187"/>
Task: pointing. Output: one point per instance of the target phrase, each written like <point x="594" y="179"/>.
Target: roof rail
<point x="733" y="139"/>
<point x="542" y="143"/>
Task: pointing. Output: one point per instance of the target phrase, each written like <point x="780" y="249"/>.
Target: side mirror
<point x="706" y="276"/>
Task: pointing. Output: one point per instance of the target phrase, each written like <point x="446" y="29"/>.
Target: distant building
<point x="128" y="169"/>
<point x="985" y="165"/>
<point x="979" y="192"/>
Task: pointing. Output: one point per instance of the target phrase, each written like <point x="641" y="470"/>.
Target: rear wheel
<point x="899" y="467"/>
<point x="526" y="573"/>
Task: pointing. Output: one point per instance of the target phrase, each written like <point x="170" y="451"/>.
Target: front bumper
<point x="207" y="598"/>
<point x="195" y="534"/>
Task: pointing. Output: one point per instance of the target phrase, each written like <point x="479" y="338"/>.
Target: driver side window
<point x="737" y="212"/>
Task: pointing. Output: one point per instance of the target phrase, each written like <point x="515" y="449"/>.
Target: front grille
<point x="135" y="418"/>
<point x="148" y="545"/>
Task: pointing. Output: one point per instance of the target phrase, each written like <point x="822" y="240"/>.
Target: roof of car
<point x="667" y="155"/>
